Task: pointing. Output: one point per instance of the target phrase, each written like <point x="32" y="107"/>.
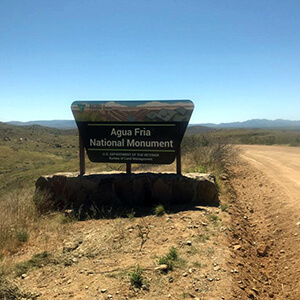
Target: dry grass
<point x="17" y="215"/>
<point x="203" y="153"/>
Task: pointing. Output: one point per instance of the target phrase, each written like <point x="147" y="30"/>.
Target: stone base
<point x="68" y="191"/>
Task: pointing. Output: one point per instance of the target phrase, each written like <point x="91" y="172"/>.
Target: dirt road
<point x="267" y="219"/>
<point x="281" y="164"/>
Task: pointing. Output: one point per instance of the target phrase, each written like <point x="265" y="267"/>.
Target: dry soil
<point x="266" y="222"/>
<point x="248" y="251"/>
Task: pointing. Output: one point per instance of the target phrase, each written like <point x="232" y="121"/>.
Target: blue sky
<point x="236" y="60"/>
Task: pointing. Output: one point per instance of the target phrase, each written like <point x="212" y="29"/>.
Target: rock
<point x="237" y="247"/>
<point x="189" y="243"/>
<point x="223" y="176"/>
<point x="185" y="274"/>
<point x="298" y="223"/>
<point x="90" y="272"/>
<point x="161" y="191"/>
<point x="171" y="279"/>
<point x="69" y="191"/>
<point x="217" y="268"/>
<point x="23" y="276"/>
<point x="262" y="250"/>
<point x="282" y="251"/>
<point x="71" y="246"/>
<point x="162" y="267"/>
<point x="103" y="291"/>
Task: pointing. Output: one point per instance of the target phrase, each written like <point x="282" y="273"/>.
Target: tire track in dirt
<point x="265" y="214"/>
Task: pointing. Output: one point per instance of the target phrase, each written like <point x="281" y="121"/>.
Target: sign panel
<point x="132" y="131"/>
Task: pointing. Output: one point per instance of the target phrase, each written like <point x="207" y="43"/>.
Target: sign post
<point x="178" y="161"/>
<point x="81" y="156"/>
<point x="147" y="132"/>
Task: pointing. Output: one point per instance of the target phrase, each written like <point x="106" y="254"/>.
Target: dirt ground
<point x="249" y="250"/>
<point x="95" y="258"/>
<point x="266" y="218"/>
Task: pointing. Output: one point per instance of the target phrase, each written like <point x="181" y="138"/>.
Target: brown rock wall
<point x="66" y="191"/>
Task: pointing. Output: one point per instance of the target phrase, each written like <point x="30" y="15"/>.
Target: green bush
<point x="159" y="210"/>
<point x="169" y="258"/>
<point x="22" y="236"/>
<point x="37" y="261"/>
<point x="136" y="277"/>
<point x="224" y="207"/>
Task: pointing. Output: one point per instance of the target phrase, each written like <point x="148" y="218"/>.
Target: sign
<point x="132" y="131"/>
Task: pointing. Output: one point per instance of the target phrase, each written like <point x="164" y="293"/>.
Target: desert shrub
<point x="169" y="258"/>
<point x="43" y="201"/>
<point x="224" y="207"/>
<point x="208" y="153"/>
<point x="22" y="235"/>
<point x="37" y="261"/>
<point x="159" y="210"/>
<point x="214" y="219"/>
<point x="136" y="277"/>
<point x="130" y="215"/>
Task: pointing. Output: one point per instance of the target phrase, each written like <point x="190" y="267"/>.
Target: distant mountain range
<point x="257" y="123"/>
<point x="254" y="123"/>
<point x="61" y="124"/>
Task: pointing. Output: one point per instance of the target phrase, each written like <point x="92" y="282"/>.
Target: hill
<point x="62" y="124"/>
<point x="258" y="123"/>
<point x="198" y="129"/>
<point x="254" y="123"/>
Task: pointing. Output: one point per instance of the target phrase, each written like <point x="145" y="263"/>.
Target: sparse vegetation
<point x="210" y="251"/>
<point x="289" y="137"/>
<point x="159" y="210"/>
<point x="17" y="215"/>
<point x="22" y="235"/>
<point x="37" y="261"/>
<point x="208" y="153"/>
<point x="169" y="258"/>
<point x="23" y="161"/>
<point x="224" y="207"/>
<point x="130" y="214"/>
<point x="202" y="238"/>
<point x="67" y="218"/>
<point x="10" y="291"/>
<point x="213" y="218"/>
<point x="136" y="277"/>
